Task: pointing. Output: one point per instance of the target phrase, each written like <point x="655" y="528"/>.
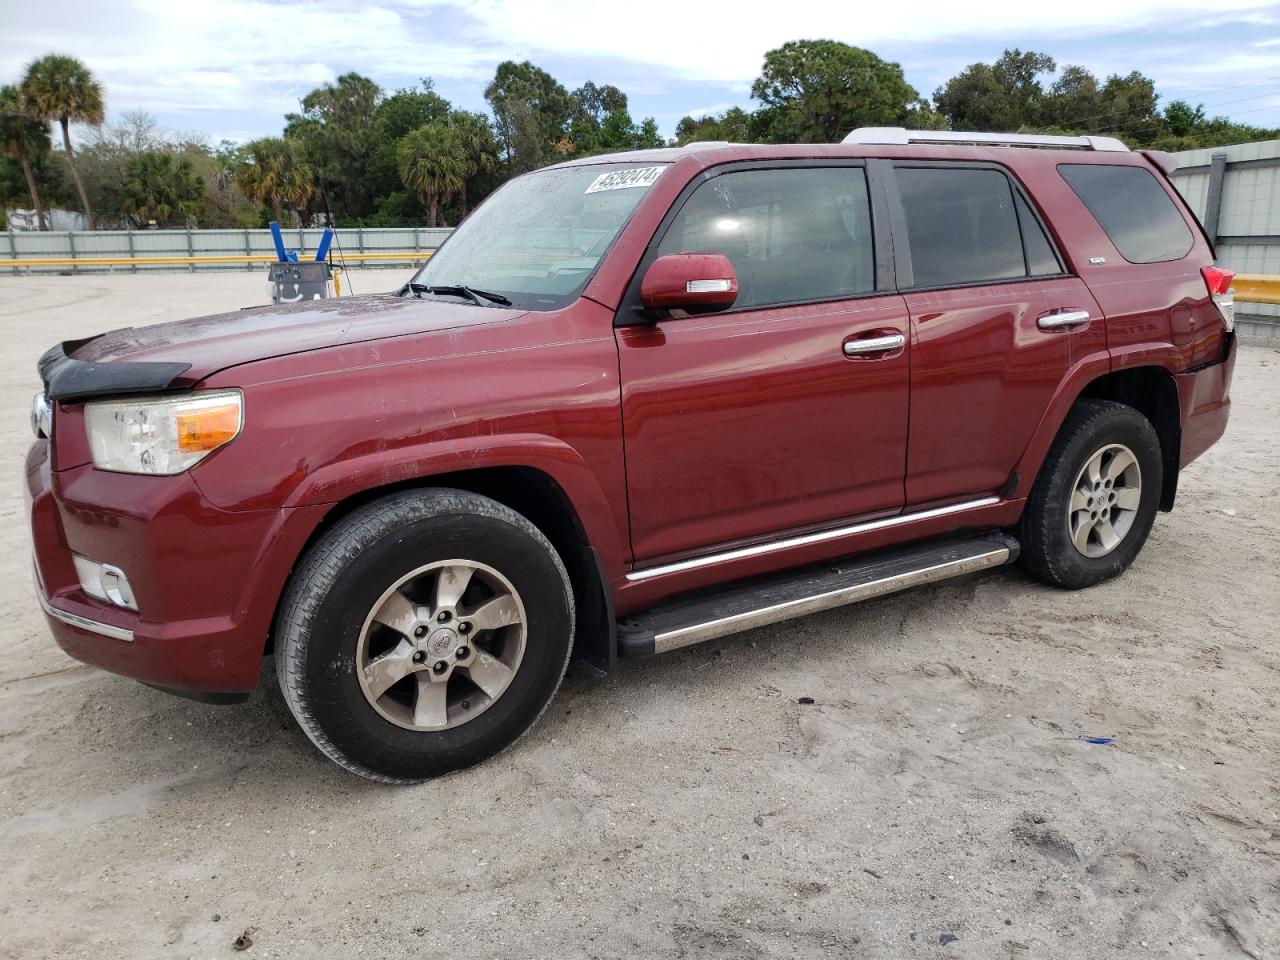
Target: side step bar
<point x="744" y="606"/>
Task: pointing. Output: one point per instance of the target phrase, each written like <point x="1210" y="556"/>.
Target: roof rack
<point x="901" y="135"/>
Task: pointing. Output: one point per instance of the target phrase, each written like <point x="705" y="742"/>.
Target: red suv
<point x="634" y="402"/>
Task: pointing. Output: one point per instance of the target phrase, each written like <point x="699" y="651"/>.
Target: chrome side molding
<point x="804" y="540"/>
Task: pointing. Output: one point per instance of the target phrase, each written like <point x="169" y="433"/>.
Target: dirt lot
<point x="690" y="806"/>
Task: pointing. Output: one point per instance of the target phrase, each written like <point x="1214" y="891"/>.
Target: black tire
<point x="1048" y="553"/>
<point x="341" y="578"/>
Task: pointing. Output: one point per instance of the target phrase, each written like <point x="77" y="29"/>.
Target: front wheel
<point x="423" y="633"/>
<point x="1095" y="499"/>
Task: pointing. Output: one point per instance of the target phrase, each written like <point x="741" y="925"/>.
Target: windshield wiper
<point x="479" y="297"/>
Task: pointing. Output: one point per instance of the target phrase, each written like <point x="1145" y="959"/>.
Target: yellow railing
<point x="1256" y="288"/>
<point x="23" y="262"/>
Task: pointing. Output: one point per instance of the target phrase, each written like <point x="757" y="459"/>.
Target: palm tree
<point x="479" y="146"/>
<point x="273" y="173"/>
<point x="22" y="137"/>
<point x="433" y="164"/>
<point x="61" y="88"/>
<point x="158" y="189"/>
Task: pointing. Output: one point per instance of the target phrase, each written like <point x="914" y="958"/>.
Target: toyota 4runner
<point x="634" y="402"/>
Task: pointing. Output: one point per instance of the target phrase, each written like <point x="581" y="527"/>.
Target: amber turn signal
<point x="208" y="429"/>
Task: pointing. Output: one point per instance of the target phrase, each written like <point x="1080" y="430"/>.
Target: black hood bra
<point x="66" y="378"/>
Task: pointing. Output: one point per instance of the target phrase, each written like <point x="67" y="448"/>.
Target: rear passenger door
<point x="993" y="313"/>
<point x="773" y="415"/>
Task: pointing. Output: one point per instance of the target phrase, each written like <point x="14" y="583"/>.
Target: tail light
<point x="1218" y="281"/>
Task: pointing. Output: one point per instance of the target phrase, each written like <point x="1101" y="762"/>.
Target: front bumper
<point x="206" y="580"/>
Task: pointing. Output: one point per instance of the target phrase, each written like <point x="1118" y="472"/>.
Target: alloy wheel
<point x="1104" y="500"/>
<point x="441" y="645"/>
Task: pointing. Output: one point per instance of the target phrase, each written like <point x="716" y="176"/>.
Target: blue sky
<point x="232" y="68"/>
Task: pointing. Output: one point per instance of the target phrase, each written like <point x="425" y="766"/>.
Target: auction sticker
<point x="622" y="179"/>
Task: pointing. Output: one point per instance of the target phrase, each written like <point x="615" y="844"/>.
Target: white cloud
<point x="726" y="43"/>
<point x="254" y="58"/>
<point x="715" y="108"/>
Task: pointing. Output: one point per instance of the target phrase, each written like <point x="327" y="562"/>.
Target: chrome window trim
<point x="804" y="540"/>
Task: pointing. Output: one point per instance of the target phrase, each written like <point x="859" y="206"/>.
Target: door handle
<point x="1062" y="318"/>
<point x="883" y="344"/>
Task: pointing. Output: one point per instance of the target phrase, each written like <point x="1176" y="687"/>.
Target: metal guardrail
<point x="1249" y="287"/>
<point x="417" y="256"/>
<point x="142" y="251"/>
<point x="1256" y="288"/>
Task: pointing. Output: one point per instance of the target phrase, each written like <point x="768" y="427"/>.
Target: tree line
<point x="356" y="155"/>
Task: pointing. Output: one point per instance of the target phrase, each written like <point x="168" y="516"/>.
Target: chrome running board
<point x="744" y="606"/>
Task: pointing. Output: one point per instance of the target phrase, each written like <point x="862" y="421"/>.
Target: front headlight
<point x="162" y="435"/>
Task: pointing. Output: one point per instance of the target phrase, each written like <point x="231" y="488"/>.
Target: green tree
<point x="1019" y="74"/>
<point x="816" y="91"/>
<point x="531" y="112"/>
<point x="593" y="104"/>
<point x="1128" y="108"/>
<point x="62" y="89"/>
<point x="335" y="130"/>
<point x="273" y="173"/>
<point x="922" y="116"/>
<point x="162" y="188"/>
<point x="1181" y="119"/>
<point x="648" y="137"/>
<point x="1072" y="100"/>
<point x="403" y="112"/>
<point x="23" y="138"/>
<point x="733" y="126"/>
<point x="478" y="146"/>
<point x="1003" y="96"/>
<point x="432" y="163"/>
<point x="975" y="100"/>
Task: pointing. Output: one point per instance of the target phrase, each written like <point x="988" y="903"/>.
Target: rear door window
<point x="962" y="226"/>
<point x="793" y="235"/>
<point x="1130" y="205"/>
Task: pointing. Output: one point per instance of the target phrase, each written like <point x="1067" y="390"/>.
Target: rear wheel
<point x="1095" y="500"/>
<point x="423" y="633"/>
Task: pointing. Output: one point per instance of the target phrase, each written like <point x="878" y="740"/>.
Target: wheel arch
<point x="537" y="496"/>
<point x="1150" y="390"/>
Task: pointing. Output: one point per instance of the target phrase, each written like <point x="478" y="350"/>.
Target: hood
<point x="204" y="345"/>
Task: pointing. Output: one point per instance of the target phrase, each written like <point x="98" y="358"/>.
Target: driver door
<point x="770" y="416"/>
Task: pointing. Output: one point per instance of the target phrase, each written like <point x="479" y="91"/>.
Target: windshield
<point x="538" y="239"/>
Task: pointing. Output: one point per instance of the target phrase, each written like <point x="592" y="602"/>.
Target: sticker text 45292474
<point x="623" y="179"/>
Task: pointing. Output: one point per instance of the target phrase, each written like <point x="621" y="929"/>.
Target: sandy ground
<point x="690" y="806"/>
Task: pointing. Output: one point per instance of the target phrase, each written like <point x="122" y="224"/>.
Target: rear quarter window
<point x="1133" y="209"/>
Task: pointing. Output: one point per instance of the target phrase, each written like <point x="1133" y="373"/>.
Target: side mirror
<point x="695" y="282"/>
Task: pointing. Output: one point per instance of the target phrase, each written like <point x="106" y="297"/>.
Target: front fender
<point x="560" y="462"/>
